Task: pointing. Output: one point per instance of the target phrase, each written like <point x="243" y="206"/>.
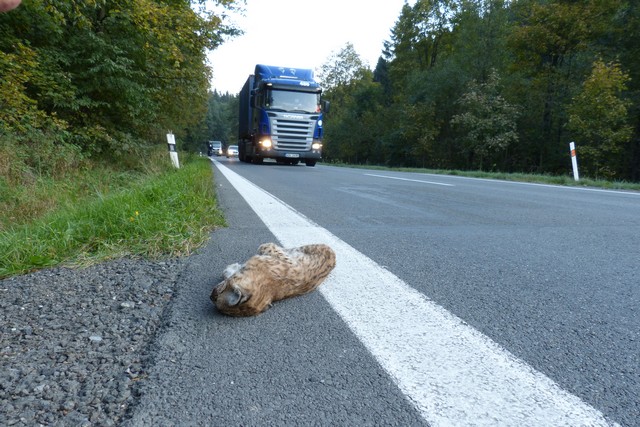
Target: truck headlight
<point x="316" y="146"/>
<point x="266" y="143"/>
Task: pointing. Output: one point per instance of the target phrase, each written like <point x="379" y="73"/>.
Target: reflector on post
<point x="172" y="150"/>
<point x="574" y="161"/>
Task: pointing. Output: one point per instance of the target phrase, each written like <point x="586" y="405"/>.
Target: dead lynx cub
<point x="274" y="274"/>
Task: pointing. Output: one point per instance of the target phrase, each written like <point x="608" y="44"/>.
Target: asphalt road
<point x="550" y="274"/>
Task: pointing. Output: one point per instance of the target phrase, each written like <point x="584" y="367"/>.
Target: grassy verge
<point x="518" y="177"/>
<point x="165" y="213"/>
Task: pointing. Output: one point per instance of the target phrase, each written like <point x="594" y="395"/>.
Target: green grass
<point x="518" y="177"/>
<point x="166" y="213"/>
<point x="35" y="182"/>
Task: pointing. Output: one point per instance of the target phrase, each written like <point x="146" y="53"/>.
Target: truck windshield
<point x="298" y="102"/>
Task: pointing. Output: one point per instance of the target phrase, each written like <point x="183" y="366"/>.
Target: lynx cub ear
<point x="231" y="270"/>
<point x="236" y="297"/>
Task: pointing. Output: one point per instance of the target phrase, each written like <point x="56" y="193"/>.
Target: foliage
<point x="106" y="75"/>
<point x="361" y="143"/>
<point x="623" y="45"/>
<point x="222" y="117"/>
<point x="598" y="117"/>
<point x="349" y="85"/>
<point x="341" y="68"/>
<point x="487" y="120"/>
<point x="437" y="101"/>
<point x="220" y="123"/>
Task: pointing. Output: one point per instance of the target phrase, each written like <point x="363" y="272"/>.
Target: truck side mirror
<point x="325" y="106"/>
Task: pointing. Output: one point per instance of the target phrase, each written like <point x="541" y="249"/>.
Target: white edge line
<point x="452" y="373"/>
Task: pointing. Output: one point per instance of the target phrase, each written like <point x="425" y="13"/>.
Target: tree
<point x="550" y="44"/>
<point x="598" y="120"/>
<point x="351" y="126"/>
<point x="115" y="74"/>
<point x="341" y="68"/>
<point x="353" y="131"/>
<point x="488" y="121"/>
<point x="381" y="75"/>
<point x="400" y="52"/>
<point x="419" y="35"/>
<point x="478" y="39"/>
<point x="623" y="44"/>
<point x="222" y="117"/>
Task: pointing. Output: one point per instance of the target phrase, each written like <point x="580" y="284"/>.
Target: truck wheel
<point x="241" y="153"/>
<point x="310" y="162"/>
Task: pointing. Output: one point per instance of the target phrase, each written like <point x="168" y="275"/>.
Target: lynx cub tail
<point x="273" y="274"/>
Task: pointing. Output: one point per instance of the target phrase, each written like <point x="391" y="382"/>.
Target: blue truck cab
<point x="280" y="116"/>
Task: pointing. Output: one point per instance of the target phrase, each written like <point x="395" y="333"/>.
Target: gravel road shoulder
<point x="75" y="344"/>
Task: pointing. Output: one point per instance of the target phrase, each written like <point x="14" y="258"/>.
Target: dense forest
<point x="461" y="84"/>
<point x="102" y="79"/>
<point x="495" y="85"/>
<point x="222" y="119"/>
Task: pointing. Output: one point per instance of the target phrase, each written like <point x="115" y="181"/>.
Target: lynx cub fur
<point x="273" y="274"/>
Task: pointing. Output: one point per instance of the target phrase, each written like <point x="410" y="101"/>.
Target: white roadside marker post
<point x="574" y="161"/>
<point x="172" y="150"/>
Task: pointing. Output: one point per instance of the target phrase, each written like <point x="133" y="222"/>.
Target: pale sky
<point x="302" y="34"/>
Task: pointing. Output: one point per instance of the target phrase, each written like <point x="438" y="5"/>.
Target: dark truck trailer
<point x="280" y="116"/>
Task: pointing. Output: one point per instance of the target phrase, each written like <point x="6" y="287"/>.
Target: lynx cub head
<point x="271" y="275"/>
<point x="232" y="295"/>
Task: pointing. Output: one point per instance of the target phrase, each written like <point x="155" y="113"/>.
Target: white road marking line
<point x="533" y="184"/>
<point x="453" y="374"/>
<point x="407" y="179"/>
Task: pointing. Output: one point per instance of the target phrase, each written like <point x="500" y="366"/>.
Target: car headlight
<point x="266" y="143"/>
<point x="316" y="145"/>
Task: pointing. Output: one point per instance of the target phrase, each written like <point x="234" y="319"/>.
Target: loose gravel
<point x="75" y="344"/>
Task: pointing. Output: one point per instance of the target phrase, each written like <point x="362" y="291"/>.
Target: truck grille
<point x="292" y="134"/>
